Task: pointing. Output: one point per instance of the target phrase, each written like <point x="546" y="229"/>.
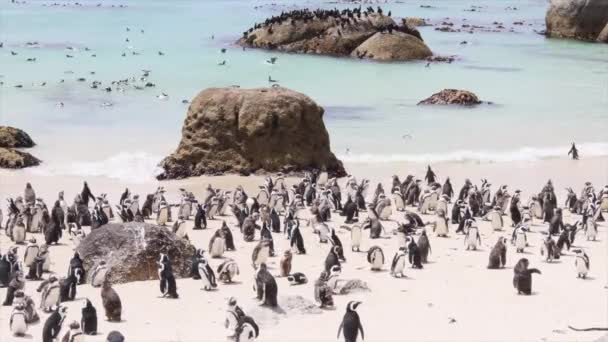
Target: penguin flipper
<point x="361" y="329"/>
<point x="340" y="329"/>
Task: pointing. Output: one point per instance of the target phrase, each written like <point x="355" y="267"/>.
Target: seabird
<point x="162" y="96"/>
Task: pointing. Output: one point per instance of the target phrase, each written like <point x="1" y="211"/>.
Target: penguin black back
<point x="351" y="323"/>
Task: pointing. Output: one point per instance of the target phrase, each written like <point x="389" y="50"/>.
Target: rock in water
<point x="338" y="35"/>
<point x="11" y="137"/>
<point x="131" y="251"/>
<point x="245" y="130"/>
<point x="578" y="19"/>
<point x="14" y="159"/>
<point x="396" y="46"/>
<point x="415" y="22"/>
<point x="452" y="97"/>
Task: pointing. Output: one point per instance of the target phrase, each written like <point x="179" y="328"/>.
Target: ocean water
<point x="544" y="93"/>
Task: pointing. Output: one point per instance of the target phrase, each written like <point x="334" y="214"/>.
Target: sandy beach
<point x="454" y="297"/>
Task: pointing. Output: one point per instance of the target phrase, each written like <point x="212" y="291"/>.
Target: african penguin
<point x="375" y="257"/>
<point x="522" y="278"/>
<point x="351" y="323"/>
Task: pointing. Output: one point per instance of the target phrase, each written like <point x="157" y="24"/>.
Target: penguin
<point x="472" y="238"/>
<point x="350" y="210"/>
<point x="207" y="275"/>
<point x="196" y="259"/>
<point x="200" y="218"/>
<point x="247" y="330"/>
<point x="520" y="240"/>
<point x="556" y="223"/>
<point x="323" y="294"/>
<point x="275" y="221"/>
<point x="297" y="240"/>
<point x="234" y="314"/>
<point x="111" y="302"/>
<point x="266" y="235"/>
<point x="441" y="224"/>
<point x="498" y="254"/>
<point x="228" y="238"/>
<point x="548" y="249"/>
<point x="332" y="258"/>
<point x="88" y="322"/>
<point x="351" y="323"/>
<point x="76" y="268"/>
<point x="179" y="229"/>
<point x="398" y="263"/>
<point x="17" y="283"/>
<point x="168" y="286"/>
<point x="29" y="307"/>
<point x="375" y="256"/>
<point x="99" y="274"/>
<point x="414" y="256"/>
<point x="163" y="214"/>
<point x="74" y="334"/>
<point x="52" y="326"/>
<point x="67" y="287"/>
<point x="581" y="263"/>
<point x="18" y="322"/>
<point x="115" y="336"/>
<point x="260" y="253"/>
<point x="51" y="293"/>
<point x="297" y="279"/>
<point x="424" y="246"/>
<point x="266" y="287"/>
<point x="522" y="278"/>
<point x="29" y="195"/>
<point x="285" y="265"/>
<point x="217" y="245"/>
<point x="356" y="235"/>
<point x="227" y="271"/>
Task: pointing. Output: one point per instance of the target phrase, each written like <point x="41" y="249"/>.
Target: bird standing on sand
<point x="574" y="152"/>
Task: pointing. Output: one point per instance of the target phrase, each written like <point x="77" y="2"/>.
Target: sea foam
<point x="595" y="149"/>
<point x="134" y="167"/>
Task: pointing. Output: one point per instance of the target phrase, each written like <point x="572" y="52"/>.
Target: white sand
<point x="455" y="284"/>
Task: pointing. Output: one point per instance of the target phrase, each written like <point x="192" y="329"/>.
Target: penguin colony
<point x="330" y="206"/>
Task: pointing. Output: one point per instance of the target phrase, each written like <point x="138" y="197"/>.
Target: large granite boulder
<point x="578" y="19"/>
<point x="395" y="46"/>
<point x="15" y="159"/>
<point x="247" y="130"/>
<point x="335" y="34"/>
<point x="452" y="97"/>
<point x="13" y="137"/>
<point x="131" y="250"/>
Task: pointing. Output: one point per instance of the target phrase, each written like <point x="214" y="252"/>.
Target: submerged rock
<point x="578" y="19"/>
<point x="131" y="251"/>
<point x="452" y="97"/>
<point x="247" y="130"/>
<point x="329" y="33"/>
<point x="11" y="137"/>
<point x="15" y="159"/>
<point x="415" y="22"/>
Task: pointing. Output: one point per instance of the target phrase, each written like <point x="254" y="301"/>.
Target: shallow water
<point x="545" y="93"/>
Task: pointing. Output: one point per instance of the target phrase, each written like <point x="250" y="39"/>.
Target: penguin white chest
<point x="262" y="255"/>
<point x="581" y="266"/>
<point x="217" y="249"/>
<point x="355" y="237"/>
<point x="399" y="265"/>
<point x="520" y="241"/>
<point x="18" y="326"/>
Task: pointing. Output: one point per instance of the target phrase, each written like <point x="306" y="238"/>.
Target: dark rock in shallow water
<point x="578" y="19"/>
<point x="452" y="97"/>
<point x="252" y="130"/>
<point x="334" y="34"/>
<point x="11" y="137"/>
<point x="131" y="251"/>
<point x="14" y="159"/>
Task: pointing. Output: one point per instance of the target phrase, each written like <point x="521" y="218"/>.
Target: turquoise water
<point x="545" y="93"/>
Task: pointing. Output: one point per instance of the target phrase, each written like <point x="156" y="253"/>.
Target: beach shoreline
<point x="455" y="285"/>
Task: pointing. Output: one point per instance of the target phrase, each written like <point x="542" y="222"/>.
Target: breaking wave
<point x="481" y="156"/>
<point x="137" y="167"/>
